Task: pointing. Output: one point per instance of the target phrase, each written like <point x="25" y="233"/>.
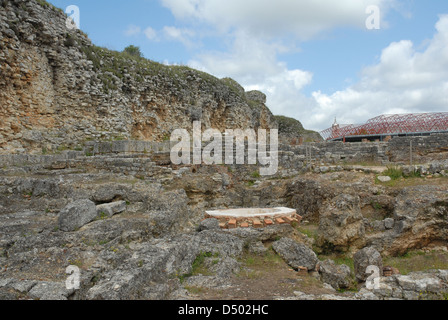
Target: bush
<point x="133" y="51"/>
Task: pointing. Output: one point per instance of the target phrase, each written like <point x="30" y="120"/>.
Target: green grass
<point x="377" y="206"/>
<point x="268" y="259"/>
<point x="418" y="261"/>
<point x="102" y="216"/>
<point x="309" y="232"/>
<point x="339" y="259"/>
<point x="255" y="175"/>
<point x="393" y="172"/>
<point x="198" y="266"/>
<point x="254" y="266"/>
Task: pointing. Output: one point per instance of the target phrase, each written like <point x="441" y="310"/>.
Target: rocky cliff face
<point x="292" y="132"/>
<point x="58" y="90"/>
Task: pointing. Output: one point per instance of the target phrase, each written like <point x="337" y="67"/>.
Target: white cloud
<point x="405" y="80"/>
<point x="303" y="19"/>
<point x="253" y="63"/>
<point x="132" y="30"/>
<point x="255" y="31"/>
<point x="150" y="33"/>
<point x="179" y="34"/>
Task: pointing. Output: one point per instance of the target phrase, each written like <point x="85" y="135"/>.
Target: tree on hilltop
<point x="133" y="51"/>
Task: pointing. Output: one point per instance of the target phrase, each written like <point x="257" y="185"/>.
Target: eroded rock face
<point x="341" y="224"/>
<point x="420" y="219"/>
<point x="75" y="96"/>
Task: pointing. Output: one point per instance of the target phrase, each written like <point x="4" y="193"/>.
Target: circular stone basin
<point x="254" y="217"/>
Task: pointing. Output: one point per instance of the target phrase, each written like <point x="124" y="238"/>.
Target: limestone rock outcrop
<point x="57" y="89"/>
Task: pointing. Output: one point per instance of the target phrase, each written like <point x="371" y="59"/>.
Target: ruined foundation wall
<point x="397" y="150"/>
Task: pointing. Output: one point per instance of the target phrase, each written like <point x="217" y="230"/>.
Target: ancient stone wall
<point x="397" y="150"/>
<point x="424" y="149"/>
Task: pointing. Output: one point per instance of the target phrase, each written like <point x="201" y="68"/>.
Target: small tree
<point x="133" y="51"/>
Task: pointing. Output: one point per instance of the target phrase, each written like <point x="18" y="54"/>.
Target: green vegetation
<point x="255" y="175"/>
<point x="399" y="178"/>
<point x="254" y="266"/>
<point x="46" y="4"/>
<point x="268" y="259"/>
<point x="292" y="127"/>
<point x="418" y="261"/>
<point x="339" y="259"/>
<point x="69" y="40"/>
<point x="234" y="86"/>
<point x="377" y="206"/>
<point x="198" y="266"/>
<point x="133" y="51"/>
<point x="102" y="216"/>
<point x="310" y="233"/>
<point x="111" y="64"/>
<point x="393" y="172"/>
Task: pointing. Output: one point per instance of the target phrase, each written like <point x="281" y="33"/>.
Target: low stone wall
<point x="29" y="159"/>
<point x="424" y="149"/>
<point x="337" y="152"/>
<point x="127" y="146"/>
<point x="397" y="150"/>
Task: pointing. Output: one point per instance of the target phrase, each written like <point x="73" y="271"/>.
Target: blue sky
<point x="315" y="59"/>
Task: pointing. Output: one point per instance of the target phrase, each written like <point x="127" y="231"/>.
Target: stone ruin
<point x="254" y="217"/>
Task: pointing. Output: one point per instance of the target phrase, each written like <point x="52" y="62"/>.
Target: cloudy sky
<point x="314" y="59"/>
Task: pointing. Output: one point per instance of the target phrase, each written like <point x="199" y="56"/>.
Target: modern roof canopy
<point x="391" y="124"/>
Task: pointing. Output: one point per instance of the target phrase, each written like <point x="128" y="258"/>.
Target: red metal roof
<point x="391" y="124"/>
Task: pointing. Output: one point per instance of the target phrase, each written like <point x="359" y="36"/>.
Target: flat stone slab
<point x="252" y="212"/>
<point x="253" y="217"/>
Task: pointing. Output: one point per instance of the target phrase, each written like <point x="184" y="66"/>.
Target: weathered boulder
<point x="209" y="224"/>
<point x="76" y="214"/>
<point x="338" y="276"/>
<point x="384" y="178"/>
<point x="341" y="225"/>
<point x="363" y="259"/>
<point x="295" y="254"/>
<point x="110" y="209"/>
<point x="225" y="267"/>
<point x="429" y="285"/>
